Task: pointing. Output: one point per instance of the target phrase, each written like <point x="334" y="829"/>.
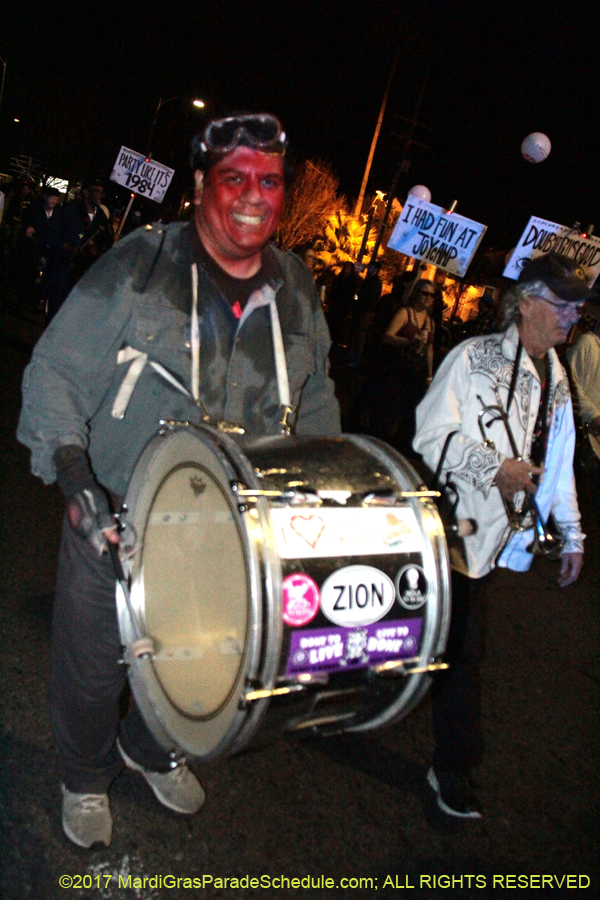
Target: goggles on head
<point x="261" y="131"/>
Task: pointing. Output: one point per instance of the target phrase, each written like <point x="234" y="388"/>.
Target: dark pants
<point x="456" y="692"/>
<point x="86" y="679"/>
<point x="58" y="283"/>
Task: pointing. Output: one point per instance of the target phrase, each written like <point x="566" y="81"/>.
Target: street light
<point x="199" y="104"/>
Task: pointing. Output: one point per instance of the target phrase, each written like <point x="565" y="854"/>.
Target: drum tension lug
<point x="409" y="666"/>
<point x="266" y="693"/>
<point x="177" y="759"/>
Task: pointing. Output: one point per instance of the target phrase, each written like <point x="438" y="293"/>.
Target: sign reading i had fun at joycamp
<point x="444" y="239"/>
<point x="141" y="175"/>
<point x="541" y="237"/>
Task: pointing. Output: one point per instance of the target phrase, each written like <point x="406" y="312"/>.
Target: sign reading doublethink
<point x="541" y="237"/>
<point x="444" y="239"/>
<point x="143" y="176"/>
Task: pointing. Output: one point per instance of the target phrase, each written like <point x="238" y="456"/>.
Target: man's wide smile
<point x="245" y="219"/>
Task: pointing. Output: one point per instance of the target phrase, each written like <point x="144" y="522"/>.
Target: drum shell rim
<point x="259" y="569"/>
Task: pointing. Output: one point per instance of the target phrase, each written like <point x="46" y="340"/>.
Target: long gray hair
<point x="509" y="312"/>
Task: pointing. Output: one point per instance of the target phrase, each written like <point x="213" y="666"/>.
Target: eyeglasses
<point x="427" y="293"/>
<point x="564" y="307"/>
<point x="261" y="131"/>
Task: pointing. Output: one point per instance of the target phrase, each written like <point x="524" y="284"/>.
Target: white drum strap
<point x="195" y="336"/>
<point x="131" y="378"/>
<point x="138" y="359"/>
<point x="265" y="296"/>
<point x="283" y="384"/>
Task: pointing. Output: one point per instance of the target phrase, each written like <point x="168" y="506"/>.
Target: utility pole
<point x="402" y="166"/>
<point x="363" y="186"/>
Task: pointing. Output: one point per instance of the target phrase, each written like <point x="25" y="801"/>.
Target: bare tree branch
<point x="311" y="199"/>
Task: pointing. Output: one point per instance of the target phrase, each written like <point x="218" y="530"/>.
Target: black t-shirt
<point x="236" y="291"/>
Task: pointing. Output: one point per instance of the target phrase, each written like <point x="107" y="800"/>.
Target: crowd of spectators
<point x="49" y="239"/>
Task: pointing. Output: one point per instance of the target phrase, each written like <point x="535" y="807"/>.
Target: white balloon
<point x="536" y="147"/>
<point x="420" y="191"/>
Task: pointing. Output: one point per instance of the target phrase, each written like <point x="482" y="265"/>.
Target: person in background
<point x="82" y="235"/>
<point x="519" y="370"/>
<point x="406" y="366"/>
<point x="485" y="321"/>
<point x="369" y="295"/>
<point x="40" y="224"/>
<point x="342" y="299"/>
<point x="583" y="358"/>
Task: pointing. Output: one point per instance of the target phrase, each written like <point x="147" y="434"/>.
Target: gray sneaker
<point x="178" y="789"/>
<point x="455" y="796"/>
<point x="86" y="818"/>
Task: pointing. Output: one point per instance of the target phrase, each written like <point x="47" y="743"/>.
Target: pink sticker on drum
<point x="301" y="599"/>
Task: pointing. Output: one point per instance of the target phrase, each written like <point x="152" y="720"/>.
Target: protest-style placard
<point x="436" y="236"/>
<point x="541" y="237"/>
<point x="141" y="175"/>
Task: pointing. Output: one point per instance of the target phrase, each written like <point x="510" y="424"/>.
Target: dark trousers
<point x="86" y="678"/>
<point x="456" y="692"/>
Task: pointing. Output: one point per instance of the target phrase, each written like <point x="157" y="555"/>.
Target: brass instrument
<point x="545" y="542"/>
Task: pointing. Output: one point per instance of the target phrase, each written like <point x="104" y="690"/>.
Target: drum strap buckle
<point x="284" y="425"/>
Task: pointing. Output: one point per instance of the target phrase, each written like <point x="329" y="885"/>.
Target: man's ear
<point x="198" y="186"/>
<point x="525" y="304"/>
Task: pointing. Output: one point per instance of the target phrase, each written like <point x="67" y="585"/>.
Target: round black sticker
<point x="412" y="587"/>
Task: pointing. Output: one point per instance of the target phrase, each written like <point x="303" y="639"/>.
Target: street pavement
<point x="347" y="807"/>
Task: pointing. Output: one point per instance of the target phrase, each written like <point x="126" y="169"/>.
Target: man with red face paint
<point x="199" y="321"/>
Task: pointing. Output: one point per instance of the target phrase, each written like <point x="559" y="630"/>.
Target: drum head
<point x="191" y="590"/>
<point x="195" y="590"/>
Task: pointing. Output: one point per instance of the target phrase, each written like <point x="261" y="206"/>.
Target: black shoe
<point x="455" y="795"/>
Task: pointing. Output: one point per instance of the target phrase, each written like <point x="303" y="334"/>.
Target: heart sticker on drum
<point x="300" y="599"/>
<point x="309" y="528"/>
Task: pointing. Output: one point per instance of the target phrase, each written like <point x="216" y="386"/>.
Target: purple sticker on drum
<point x="301" y="599"/>
<point x="328" y="649"/>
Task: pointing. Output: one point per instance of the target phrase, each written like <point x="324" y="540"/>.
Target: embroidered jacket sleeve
<point x="565" y="507"/>
<point x="451" y="405"/>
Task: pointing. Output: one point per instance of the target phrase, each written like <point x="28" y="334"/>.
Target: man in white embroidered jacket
<point x="183" y="322"/>
<point x="512" y="376"/>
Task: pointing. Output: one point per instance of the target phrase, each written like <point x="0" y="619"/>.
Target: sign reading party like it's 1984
<point x="141" y="175"/>
<point x="444" y="239"/>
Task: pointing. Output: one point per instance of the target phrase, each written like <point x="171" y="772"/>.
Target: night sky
<point x="85" y="78"/>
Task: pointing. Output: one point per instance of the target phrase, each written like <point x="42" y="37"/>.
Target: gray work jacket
<point x="137" y="300"/>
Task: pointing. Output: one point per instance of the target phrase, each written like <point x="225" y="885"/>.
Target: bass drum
<point x="286" y="584"/>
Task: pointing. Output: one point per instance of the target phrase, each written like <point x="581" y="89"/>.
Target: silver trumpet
<point x="545" y="542"/>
